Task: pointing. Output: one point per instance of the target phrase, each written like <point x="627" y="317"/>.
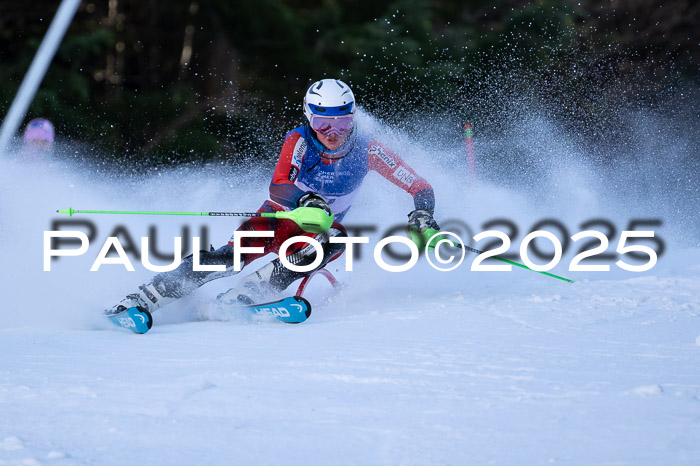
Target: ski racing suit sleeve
<point x="391" y="167"/>
<point x="282" y="188"/>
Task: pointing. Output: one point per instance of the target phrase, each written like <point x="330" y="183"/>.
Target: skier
<point x="322" y="165"/>
<point x="38" y="139"/>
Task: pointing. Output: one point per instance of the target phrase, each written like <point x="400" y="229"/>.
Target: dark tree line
<point x="174" y="81"/>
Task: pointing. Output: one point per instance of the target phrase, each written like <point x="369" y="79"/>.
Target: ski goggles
<point x="325" y="125"/>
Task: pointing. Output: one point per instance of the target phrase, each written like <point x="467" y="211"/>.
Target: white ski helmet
<point x="328" y="97"/>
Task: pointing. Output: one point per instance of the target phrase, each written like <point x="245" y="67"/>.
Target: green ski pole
<point x="309" y="219"/>
<point x="431" y="233"/>
<point x="517" y="264"/>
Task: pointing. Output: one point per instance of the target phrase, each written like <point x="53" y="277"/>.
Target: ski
<point x="291" y="310"/>
<point x="136" y="319"/>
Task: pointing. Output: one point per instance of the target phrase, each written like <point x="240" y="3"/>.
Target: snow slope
<point x="419" y="367"/>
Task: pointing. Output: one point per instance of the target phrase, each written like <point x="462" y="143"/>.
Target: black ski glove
<point x="421" y="220"/>
<point x="314" y="200"/>
<point x="421" y="227"/>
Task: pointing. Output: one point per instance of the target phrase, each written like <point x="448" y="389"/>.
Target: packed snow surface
<point x="418" y="367"/>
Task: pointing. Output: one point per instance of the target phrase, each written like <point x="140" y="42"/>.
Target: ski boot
<point x="263" y="284"/>
<point x="151" y="296"/>
<point x="134" y="311"/>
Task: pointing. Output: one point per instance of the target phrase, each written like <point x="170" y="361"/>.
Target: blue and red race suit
<point x="303" y="167"/>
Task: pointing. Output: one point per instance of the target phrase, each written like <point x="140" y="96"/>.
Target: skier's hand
<point x="421" y="227"/>
<point x="314" y="200"/>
